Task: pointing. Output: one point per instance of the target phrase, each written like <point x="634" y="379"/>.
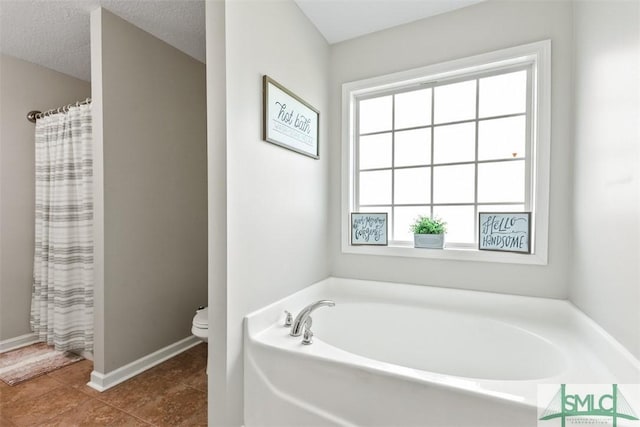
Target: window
<point x="450" y="141"/>
<point x="447" y="149"/>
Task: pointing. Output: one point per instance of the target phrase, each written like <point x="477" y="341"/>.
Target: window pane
<point x="460" y="222"/>
<point x="413" y="109"/>
<point x="375" y="187"/>
<point x="501" y="138"/>
<point x="454" y="143"/>
<point x="503" y="94"/>
<point x="412" y="186"/>
<point x="453" y="184"/>
<point x="455" y="102"/>
<point x="404" y="217"/>
<point x="375" y="114"/>
<point x="501" y="182"/>
<point x="375" y="151"/>
<point x="413" y="147"/>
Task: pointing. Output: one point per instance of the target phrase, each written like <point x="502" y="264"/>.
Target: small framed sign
<point x="369" y="229"/>
<point x="504" y="231"/>
<point x="289" y="121"/>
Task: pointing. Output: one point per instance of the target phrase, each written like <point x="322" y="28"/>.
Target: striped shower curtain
<point x="62" y="297"/>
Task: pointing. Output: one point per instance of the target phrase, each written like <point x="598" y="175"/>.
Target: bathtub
<point x="403" y="355"/>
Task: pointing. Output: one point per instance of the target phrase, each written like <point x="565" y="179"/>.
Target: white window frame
<point x="539" y="56"/>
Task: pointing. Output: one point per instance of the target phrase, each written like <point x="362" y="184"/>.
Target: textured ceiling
<point x="55" y="34"/>
<point x="340" y="20"/>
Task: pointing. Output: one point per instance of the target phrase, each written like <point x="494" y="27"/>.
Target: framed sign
<point x="504" y="231"/>
<point x="289" y="121"/>
<point x="369" y="229"/>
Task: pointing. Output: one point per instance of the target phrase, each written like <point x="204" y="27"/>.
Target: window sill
<point x="452" y="254"/>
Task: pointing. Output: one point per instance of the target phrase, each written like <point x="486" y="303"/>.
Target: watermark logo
<point x="592" y="404"/>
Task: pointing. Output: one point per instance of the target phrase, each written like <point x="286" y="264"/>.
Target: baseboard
<point x="17" y="342"/>
<point x="102" y="382"/>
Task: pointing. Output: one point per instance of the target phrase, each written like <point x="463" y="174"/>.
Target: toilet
<point x="200" y="327"/>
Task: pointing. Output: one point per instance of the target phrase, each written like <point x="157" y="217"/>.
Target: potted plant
<point x="428" y="232"/>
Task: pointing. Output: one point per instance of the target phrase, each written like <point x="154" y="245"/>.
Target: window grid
<point x="480" y="119"/>
<point x="476" y="162"/>
<point x="529" y="150"/>
<point x="422" y="165"/>
<point x="433" y="109"/>
<point x="475" y="178"/>
<point x="393" y="162"/>
<point x="407" y="205"/>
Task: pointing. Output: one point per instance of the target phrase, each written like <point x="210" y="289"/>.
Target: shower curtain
<point x="62" y="294"/>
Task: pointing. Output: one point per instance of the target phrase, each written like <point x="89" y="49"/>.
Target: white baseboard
<point x="17" y="342"/>
<point x="102" y="382"/>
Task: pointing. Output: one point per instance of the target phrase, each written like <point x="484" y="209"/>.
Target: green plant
<point x="427" y="225"/>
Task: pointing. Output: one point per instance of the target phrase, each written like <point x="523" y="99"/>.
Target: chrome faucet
<point x="304" y="317"/>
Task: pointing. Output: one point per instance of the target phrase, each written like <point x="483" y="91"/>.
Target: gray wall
<point x="469" y="31"/>
<point x="606" y="244"/>
<point x="23" y="87"/>
<point x="151" y="254"/>
<point x="277" y="199"/>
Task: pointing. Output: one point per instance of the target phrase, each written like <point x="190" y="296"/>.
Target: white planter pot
<point x="428" y="241"/>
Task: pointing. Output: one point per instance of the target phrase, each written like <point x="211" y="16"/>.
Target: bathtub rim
<point x="260" y="318"/>
<point x="265" y="320"/>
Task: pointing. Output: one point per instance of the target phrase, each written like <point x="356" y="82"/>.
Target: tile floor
<point x="173" y="393"/>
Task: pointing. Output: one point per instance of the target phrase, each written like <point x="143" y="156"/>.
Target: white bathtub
<point x="399" y="355"/>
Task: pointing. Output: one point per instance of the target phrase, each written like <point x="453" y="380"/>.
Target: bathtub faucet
<point x="304" y="316"/>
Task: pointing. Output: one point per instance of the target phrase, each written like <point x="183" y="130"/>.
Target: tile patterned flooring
<point x="173" y="393"/>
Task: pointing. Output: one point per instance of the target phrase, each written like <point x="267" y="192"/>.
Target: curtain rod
<point x="34" y="115"/>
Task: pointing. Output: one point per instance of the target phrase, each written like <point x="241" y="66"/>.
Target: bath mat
<point x="32" y="361"/>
